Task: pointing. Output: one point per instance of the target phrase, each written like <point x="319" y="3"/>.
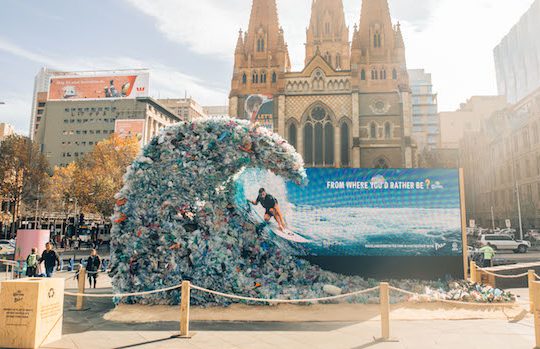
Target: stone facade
<point x="351" y="104"/>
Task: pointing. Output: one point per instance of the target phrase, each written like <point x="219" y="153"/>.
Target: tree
<point x="93" y="180"/>
<point x="23" y="173"/>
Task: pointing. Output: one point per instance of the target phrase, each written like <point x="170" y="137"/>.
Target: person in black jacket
<point x="271" y="206"/>
<point x="92" y="267"/>
<point x="50" y="257"/>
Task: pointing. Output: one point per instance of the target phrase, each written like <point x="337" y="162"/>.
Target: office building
<point x="425" y="118"/>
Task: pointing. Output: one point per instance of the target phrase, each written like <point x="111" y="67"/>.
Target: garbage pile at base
<point x="467" y="292"/>
<point x="175" y="219"/>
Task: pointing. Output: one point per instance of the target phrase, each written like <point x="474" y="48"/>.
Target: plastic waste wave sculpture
<point x="175" y="219"/>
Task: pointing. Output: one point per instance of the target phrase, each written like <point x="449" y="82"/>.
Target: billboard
<point x="259" y="109"/>
<point x="362" y="212"/>
<point x="130" y="128"/>
<point x="99" y="86"/>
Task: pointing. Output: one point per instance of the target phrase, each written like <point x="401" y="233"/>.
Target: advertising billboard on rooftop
<point x="130" y="85"/>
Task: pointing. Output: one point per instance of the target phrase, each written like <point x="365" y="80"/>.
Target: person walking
<point x="32" y="262"/>
<point x="489" y="253"/>
<point x="92" y="267"/>
<point x="51" y="260"/>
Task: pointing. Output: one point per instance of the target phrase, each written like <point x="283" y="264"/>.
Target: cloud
<point x="165" y="81"/>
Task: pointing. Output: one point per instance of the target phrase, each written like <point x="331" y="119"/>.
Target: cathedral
<point x="351" y="104"/>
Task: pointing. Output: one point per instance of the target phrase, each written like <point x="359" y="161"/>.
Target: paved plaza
<point x="88" y="329"/>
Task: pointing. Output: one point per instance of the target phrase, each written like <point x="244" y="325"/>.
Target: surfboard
<point x="287" y="234"/>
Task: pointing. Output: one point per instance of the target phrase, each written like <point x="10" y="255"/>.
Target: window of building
<point x="41" y="104"/>
<point x="381" y="163"/>
<point x="373" y="131"/>
<point x="345" y="145"/>
<point x="328" y="58"/>
<point x="274" y="77"/>
<point x="293" y="135"/>
<point x="377" y="39"/>
<point x="526" y="141"/>
<point x="338" y="61"/>
<point x="383" y="74"/>
<point x="263" y="77"/>
<point x="244" y="78"/>
<point x="318" y="138"/>
<point x="387" y="130"/>
<point x="528" y="168"/>
<point x="255" y="78"/>
<point x="260" y="45"/>
<point x="394" y="74"/>
<point x="363" y="75"/>
<point x="374" y="74"/>
<point x="40" y="112"/>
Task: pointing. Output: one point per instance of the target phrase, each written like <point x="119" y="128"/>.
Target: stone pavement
<point x="88" y="329"/>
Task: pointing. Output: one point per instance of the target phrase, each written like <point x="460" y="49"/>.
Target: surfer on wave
<point x="271" y="206"/>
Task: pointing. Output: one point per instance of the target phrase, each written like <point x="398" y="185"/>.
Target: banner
<point x="362" y="212"/>
<point x="260" y="109"/>
<point x="28" y="239"/>
<point x="130" y="128"/>
<point x="99" y="87"/>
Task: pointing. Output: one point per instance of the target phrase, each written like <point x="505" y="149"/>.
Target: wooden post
<point x="82" y="283"/>
<point x="184" y="310"/>
<point x="384" y="296"/>
<point x="536" y="313"/>
<point x="463" y="223"/>
<point x="532" y="279"/>
<point x="474" y="274"/>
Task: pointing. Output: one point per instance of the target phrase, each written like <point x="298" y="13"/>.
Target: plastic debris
<point x="175" y="220"/>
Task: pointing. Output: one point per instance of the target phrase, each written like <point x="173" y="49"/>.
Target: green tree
<point x="23" y="173"/>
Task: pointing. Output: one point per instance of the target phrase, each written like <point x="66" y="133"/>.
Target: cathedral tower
<point x="328" y="34"/>
<point x="378" y="52"/>
<point x="261" y="56"/>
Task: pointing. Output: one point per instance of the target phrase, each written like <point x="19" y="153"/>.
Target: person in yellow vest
<point x="489" y="253"/>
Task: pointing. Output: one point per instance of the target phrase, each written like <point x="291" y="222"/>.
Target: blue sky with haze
<point x="188" y="45"/>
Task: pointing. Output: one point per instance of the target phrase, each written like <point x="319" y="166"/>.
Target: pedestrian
<point x="92" y="267"/>
<point x="489" y="253"/>
<point x="50" y="257"/>
<point x="32" y="263"/>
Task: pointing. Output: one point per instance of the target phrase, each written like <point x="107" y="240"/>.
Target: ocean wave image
<point x="333" y="223"/>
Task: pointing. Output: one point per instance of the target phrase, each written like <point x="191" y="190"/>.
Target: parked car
<point x="505" y="242"/>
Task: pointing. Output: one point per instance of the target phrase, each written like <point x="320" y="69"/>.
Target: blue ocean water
<point x="356" y="212"/>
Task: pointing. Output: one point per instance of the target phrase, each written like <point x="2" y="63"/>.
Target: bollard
<point x="532" y="279"/>
<point x="384" y="297"/>
<point x="184" y="310"/>
<point x="82" y="281"/>
<point x="474" y="271"/>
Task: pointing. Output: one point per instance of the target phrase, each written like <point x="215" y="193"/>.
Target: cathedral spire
<point x="376" y="25"/>
<point x="328" y="31"/>
<point x="263" y="31"/>
<point x="240" y="42"/>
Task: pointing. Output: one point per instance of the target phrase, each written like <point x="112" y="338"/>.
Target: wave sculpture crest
<point x="176" y="218"/>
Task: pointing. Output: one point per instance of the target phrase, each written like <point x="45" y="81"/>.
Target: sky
<point x="189" y="45"/>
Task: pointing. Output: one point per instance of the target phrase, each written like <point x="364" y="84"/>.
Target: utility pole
<point x="519" y="212"/>
<point x="492" y="219"/>
<point x="37" y="208"/>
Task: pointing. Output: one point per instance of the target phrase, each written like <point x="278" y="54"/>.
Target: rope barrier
<point x="312" y="300"/>
<point x="503" y="276"/>
<point x="121" y="295"/>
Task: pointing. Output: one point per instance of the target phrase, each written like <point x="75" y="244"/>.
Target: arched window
<point x="318" y="138"/>
<point x="263" y="77"/>
<point x="255" y="78"/>
<point x="363" y="75"/>
<point x="338" y="61"/>
<point x="381" y="163"/>
<point x="328" y="58"/>
<point x="394" y="74"/>
<point x="260" y="45"/>
<point x="292" y="135"/>
<point x="274" y="77"/>
<point x="377" y="39"/>
<point x="345" y="146"/>
<point x="373" y="131"/>
<point x="387" y="130"/>
<point x="374" y="74"/>
<point x="244" y="78"/>
<point x="383" y="74"/>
